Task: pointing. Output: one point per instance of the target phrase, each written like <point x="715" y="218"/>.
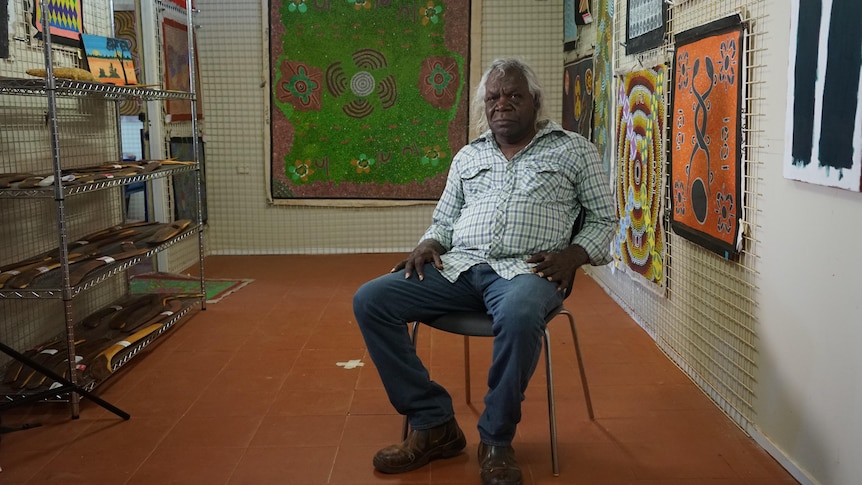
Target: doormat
<point x="216" y="289"/>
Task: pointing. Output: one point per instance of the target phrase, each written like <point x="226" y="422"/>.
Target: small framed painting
<point x="110" y="59"/>
<point x="175" y="45"/>
<point x="65" y="21"/>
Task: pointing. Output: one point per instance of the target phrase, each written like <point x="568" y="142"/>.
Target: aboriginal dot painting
<point x="175" y="55"/>
<point x="706" y="135"/>
<point x="368" y="97"/>
<point x="124" y="28"/>
<point x="638" y="246"/>
<point x="603" y="79"/>
<point x="64" y="20"/>
<point x="578" y="96"/>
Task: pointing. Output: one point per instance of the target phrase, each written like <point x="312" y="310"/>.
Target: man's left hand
<point x="559" y="266"/>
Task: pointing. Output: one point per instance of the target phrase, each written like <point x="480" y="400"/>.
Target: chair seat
<point x="480" y="324"/>
<point x="473" y="324"/>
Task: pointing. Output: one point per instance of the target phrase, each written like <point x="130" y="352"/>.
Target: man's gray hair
<point x="500" y="66"/>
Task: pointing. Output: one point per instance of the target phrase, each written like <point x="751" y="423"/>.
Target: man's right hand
<point x="427" y="251"/>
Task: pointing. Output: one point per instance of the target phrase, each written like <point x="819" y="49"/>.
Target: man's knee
<point x="366" y="298"/>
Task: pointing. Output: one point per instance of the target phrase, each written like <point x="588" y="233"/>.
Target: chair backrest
<point x="578" y="224"/>
<point x="576" y="228"/>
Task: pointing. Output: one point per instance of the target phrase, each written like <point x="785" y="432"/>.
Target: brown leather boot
<point x="420" y="447"/>
<point x="498" y="465"/>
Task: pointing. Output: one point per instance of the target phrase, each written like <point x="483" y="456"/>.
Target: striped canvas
<point x="824" y="124"/>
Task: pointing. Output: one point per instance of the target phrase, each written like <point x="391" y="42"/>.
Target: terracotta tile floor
<point x="250" y="392"/>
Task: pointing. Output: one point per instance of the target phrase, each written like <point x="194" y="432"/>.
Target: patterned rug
<point x="216" y="289"/>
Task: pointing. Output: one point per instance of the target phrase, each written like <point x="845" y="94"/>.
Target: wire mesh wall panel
<point x="235" y="86"/>
<point x="532" y="31"/>
<point x="706" y="321"/>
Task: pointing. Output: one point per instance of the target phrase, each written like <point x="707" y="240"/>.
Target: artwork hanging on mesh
<point x="368" y="100"/>
<point x="175" y="55"/>
<point x="185" y="184"/>
<point x="645" y="25"/>
<point x="638" y="247"/>
<point x="824" y="119"/>
<point x="124" y="28"/>
<point x="603" y="78"/>
<point x="65" y="21"/>
<point x="4" y="30"/>
<point x="578" y="96"/>
<point x="570" y="27"/>
<point x="706" y="135"/>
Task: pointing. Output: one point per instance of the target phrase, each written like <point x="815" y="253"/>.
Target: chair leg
<point x="552" y="411"/>
<point x="405" y="427"/>
<point x="467" y="367"/>
<point x="580" y="363"/>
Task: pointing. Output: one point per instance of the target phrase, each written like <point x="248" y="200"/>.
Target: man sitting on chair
<point x="500" y="241"/>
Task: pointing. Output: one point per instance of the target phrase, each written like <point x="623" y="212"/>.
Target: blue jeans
<point x="518" y="307"/>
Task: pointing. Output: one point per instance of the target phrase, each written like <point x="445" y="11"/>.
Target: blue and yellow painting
<point x="110" y="59"/>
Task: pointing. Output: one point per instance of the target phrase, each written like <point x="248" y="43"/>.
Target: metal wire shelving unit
<point x="60" y="287"/>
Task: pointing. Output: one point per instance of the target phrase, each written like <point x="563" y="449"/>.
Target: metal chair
<point x="478" y="324"/>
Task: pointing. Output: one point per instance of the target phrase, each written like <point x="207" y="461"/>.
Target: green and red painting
<point x="369" y="97"/>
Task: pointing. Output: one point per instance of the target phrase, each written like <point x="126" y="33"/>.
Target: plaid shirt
<point x="501" y="212"/>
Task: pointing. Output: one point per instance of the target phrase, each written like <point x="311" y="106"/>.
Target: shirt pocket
<point x="542" y="181"/>
<point x="477" y="181"/>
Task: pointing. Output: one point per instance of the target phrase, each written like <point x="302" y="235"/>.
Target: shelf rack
<point x="52" y="88"/>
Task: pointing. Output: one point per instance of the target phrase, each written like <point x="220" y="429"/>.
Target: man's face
<point x="509" y="106"/>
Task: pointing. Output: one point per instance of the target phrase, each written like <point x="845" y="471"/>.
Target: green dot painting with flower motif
<point x="368" y="97"/>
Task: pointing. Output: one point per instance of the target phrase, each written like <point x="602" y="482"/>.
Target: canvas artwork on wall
<point x="706" y="135"/>
<point x="638" y="247"/>
<point x="824" y="95"/>
<point x="368" y="98"/>
<point x="645" y="25"/>
<point x="124" y="28"/>
<point x="175" y="45"/>
<point x="4" y="30"/>
<point x="185" y="183"/>
<point x="110" y="59"/>
<point x="65" y="20"/>
<point x="570" y="27"/>
<point x="603" y="79"/>
<point x="578" y="96"/>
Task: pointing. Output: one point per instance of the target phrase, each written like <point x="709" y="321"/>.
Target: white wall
<point x="809" y="395"/>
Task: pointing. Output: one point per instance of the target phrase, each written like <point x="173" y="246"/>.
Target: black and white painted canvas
<point x="823" y="141"/>
<point x="645" y="25"/>
<point x="4" y="29"/>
